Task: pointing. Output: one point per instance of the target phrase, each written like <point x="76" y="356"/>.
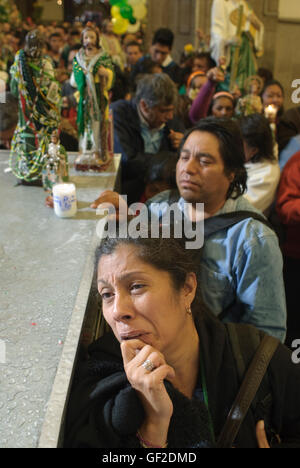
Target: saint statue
<point x="93" y="76"/>
<point x="33" y="83"/>
<point x="251" y="103"/>
<point x="236" y="34"/>
<point x="55" y="164"/>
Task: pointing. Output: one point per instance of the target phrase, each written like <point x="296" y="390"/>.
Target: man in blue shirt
<point x="241" y="266"/>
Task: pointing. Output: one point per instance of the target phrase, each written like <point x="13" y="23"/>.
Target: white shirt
<point x="262" y="183"/>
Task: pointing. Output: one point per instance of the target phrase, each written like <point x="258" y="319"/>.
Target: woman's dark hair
<point x="162" y="167"/>
<point x="274" y="83"/>
<point x="231" y="149"/>
<point x="165" y="254"/>
<point x="257" y="133"/>
<point x="211" y="63"/>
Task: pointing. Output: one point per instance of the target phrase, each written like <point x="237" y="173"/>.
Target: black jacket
<point x="129" y="142"/>
<point x="105" y="412"/>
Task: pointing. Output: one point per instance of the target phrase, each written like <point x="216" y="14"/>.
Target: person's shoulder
<point x="123" y="104"/>
<point x="293" y="163"/>
<point x="251" y="227"/>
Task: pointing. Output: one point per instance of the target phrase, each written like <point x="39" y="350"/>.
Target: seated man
<point x="145" y="126"/>
<point x="241" y="265"/>
<point x="160" y="53"/>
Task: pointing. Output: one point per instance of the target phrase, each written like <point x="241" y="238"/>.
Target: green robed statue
<point x="236" y="34"/>
<point x="38" y="93"/>
<point x="93" y="77"/>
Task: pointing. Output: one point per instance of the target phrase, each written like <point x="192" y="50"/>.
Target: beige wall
<point x="282" y="39"/>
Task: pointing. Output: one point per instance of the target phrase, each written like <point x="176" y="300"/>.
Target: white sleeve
<point x="219" y="29"/>
<point x="262" y="183"/>
<point x="72" y="81"/>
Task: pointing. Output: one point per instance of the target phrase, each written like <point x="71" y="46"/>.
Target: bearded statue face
<point x="90" y="39"/>
<point x="34" y="44"/>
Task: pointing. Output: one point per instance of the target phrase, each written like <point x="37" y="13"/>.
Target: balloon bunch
<point x="127" y="15"/>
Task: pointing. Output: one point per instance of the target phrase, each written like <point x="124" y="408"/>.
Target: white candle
<point x="65" y="202"/>
<point x="271" y="112"/>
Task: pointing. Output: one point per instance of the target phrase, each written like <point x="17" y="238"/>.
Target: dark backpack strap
<point x="250" y="384"/>
<point x="227" y="220"/>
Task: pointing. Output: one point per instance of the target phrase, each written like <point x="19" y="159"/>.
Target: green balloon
<point x="115" y="2"/>
<point x="126" y="11"/>
<point x="132" y="20"/>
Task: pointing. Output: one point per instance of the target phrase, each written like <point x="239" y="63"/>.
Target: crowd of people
<point x="184" y="137"/>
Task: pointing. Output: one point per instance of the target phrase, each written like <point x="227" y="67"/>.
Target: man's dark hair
<point x="257" y="133"/>
<point x="163" y="36"/>
<point x="231" y="149"/>
<point x="206" y="55"/>
<point x="135" y="44"/>
<point x="55" y="34"/>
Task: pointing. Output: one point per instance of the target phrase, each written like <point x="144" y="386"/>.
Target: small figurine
<point x="33" y="83"/>
<point x="93" y="77"/>
<point x="55" y="164"/>
<point x="251" y="103"/>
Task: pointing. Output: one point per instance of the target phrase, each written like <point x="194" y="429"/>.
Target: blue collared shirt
<point x="243" y="263"/>
<point x="152" y="137"/>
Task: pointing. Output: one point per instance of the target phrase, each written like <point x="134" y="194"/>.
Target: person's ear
<point x="190" y="287"/>
<point x="143" y="105"/>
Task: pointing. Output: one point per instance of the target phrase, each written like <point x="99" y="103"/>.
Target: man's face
<point x="200" y="64"/>
<point x="133" y="54"/>
<point x="159" y="53"/>
<point x="200" y="172"/>
<point x="158" y="115"/>
<point x="55" y="44"/>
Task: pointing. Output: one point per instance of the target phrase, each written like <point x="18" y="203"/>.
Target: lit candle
<point x="64" y="198"/>
<point x="271" y="112"/>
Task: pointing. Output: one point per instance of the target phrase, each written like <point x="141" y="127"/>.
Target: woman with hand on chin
<point x="166" y="376"/>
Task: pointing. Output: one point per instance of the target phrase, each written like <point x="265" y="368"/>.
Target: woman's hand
<point x="102" y="71"/>
<point x="261" y="436"/>
<point x="216" y="75"/>
<point x="150" y="387"/>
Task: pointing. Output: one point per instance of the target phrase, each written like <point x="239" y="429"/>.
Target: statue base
<point x="92" y="161"/>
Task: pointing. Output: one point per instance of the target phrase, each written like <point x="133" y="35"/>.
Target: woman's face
<point x="223" y="107"/>
<point x="197" y="84"/>
<point x="273" y="95"/>
<point x="140" y="301"/>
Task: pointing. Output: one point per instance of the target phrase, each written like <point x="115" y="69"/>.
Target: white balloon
<point x="139" y="11"/>
<point x="133" y="3"/>
<point x="133" y="28"/>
